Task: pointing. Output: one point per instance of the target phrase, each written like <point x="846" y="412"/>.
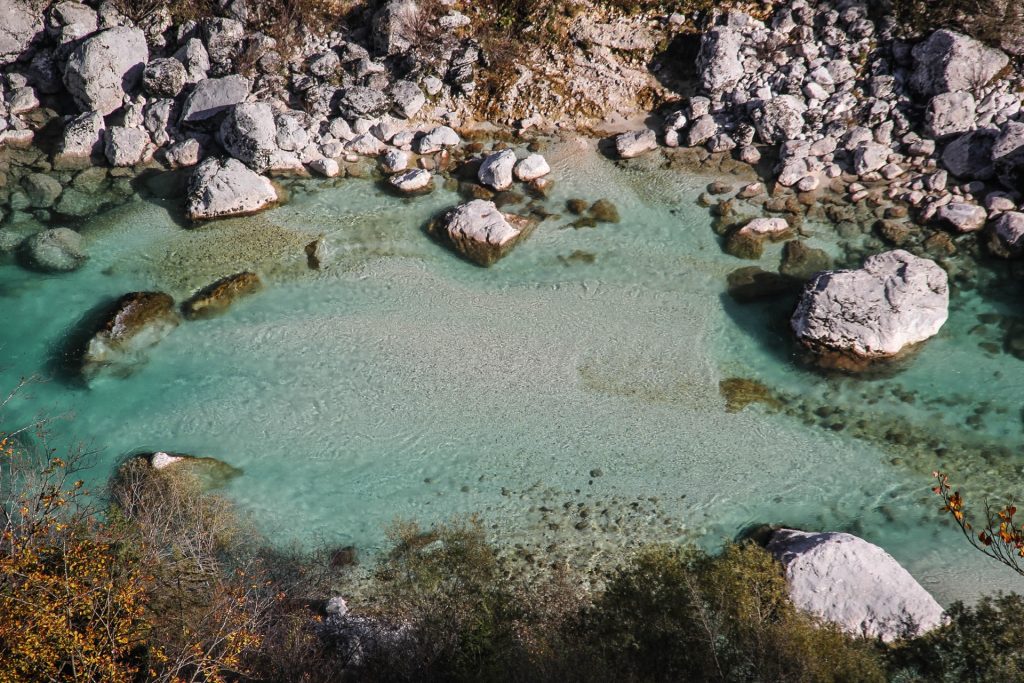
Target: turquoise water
<point x="405" y="382"/>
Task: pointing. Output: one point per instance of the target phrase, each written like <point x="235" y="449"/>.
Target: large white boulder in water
<point x="849" y="318"/>
<point x="106" y="66"/>
<point x="480" y="232"/>
<point x="853" y="584"/>
<point x="227" y="188"/>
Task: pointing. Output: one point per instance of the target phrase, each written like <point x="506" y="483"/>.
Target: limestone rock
<point x="948" y="61"/>
<point x="70" y="21"/>
<point x="851" y="317"/>
<point x="853" y="584"/>
<point x="437" y="139"/>
<point x="407" y="99"/>
<point x="413" y="181"/>
<point x="164" y="77"/>
<point x="970" y="155"/>
<point x="53" y="251"/>
<point x="635" y="143"/>
<point x="496" y="170"/>
<point x="480" y="232"/>
<point x="1009" y="231"/>
<point x="104" y="67"/>
<point x="531" y="168"/>
<point x="870" y="157"/>
<point x="962" y="216"/>
<point x="950" y="113"/>
<point x="227" y="188"/>
<point x="42" y="190"/>
<point x="358" y="102"/>
<point x="127" y="146"/>
<point x="133" y="324"/>
<point x="216" y="298"/>
<point x="249" y="134"/>
<point x="20" y="23"/>
<point x="780" y="119"/>
<point x="214" y="96"/>
<point x="720" y="61"/>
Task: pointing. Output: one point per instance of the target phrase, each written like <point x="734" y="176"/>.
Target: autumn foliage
<point x="997" y="534"/>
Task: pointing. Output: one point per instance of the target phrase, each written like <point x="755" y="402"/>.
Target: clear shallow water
<point x="405" y="382"/>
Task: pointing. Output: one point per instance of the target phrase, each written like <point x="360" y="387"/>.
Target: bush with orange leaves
<point x="999" y="536"/>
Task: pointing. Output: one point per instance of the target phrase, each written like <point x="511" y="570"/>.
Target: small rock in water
<point x="635" y="143"/>
<point x="480" y="232"/>
<point x="413" y="181"/>
<point x="53" y="251"/>
<point x="216" y="298"/>
<point x="496" y="170"/>
<point x="133" y="324"/>
<point x="604" y="211"/>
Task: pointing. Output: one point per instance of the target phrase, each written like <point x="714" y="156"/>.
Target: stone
<point x="719" y="62"/>
<point x="105" y="67"/>
<point x="437" y="139"/>
<point x="802" y="262"/>
<point x="480" y="232"/>
<point x="963" y="217"/>
<point x="249" y="134"/>
<point x="394" y="27"/>
<point x="81" y="139"/>
<point x="358" y="102"/>
<point x="133" y="324"/>
<point x="752" y="283"/>
<point x="531" y="168"/>
<point x="854" y="584"/>
<point x="496" y="170"/>
<point x="366" y="145"/>
<point x="771" y="228"/>
<point x="42" y="190"/>
<point x="413" y="181"/>
<point x="780" y="119"/>
<point x="182" y="154"/>
<point x="212" y="97"/>
<point x="870" y="157"/>
<point x="604" y="211"/>
<point x="211" y="473"/>
<point x="328" y="168"/>
<point x="1009" y="231"/>
<point x="325" y="65"/>
<point x="394" y="161"/>
<point x="21" y="100"/>
<point x="216" y="298"/>
<point x="635" y="143"/>
<point x="949" y="61"/>
<point x="127" y="146"/>
<point x="849" y="318"/>
<point x="164" y="77"/>
<point x="293" y="130"/>
<point x="950" y="113"/>
<point x="227" y="188"/>
<point x="703" y="129"/>
<point x="196" y="60"/>
<point x="53" y="251"/>
<point x="157" y="119"/>
<point x="970" y="155"/>
<point x="1008" y="155"/>
<point x="407" y="99"/>
<point x="21" y="23"/>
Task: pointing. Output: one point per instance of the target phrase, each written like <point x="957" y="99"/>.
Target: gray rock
<point x="950" y="113"/>
<point x="970" y="155"/>
<point x="325" y="65"/>
<point x="227" y="188"/>
<point x="480" y="232"/>
<point x="703" y="129"/>
<point x="851" y="317"/>
<point x="1009" y="230"/>
<point x="157" y="117"/>
<point x="635" y="143"/>
<point x="21" y="100"/>
<point x="532" y="167"/>
<point x="53" y="251"/>
<point x="1008" y="155"/>
<point x="182" y="154"/>
<point x="105" y="67"/>
<point x="81" y="139"/>
<point x="720" y="59"/>
<point x="292" y="130"/>
<point x="870" y="157"/>
<point x="367" y="145"/>
<point x="223" y="40"/>
<point x="42" y="190"/>
<point x="20" y="25"/>
<point x="394" y="27"/>
<point x="127" y="146"/>
<point x="214" y="96"/>
<point x="164" y="77"/>
<point x="408" y="99"/>
<point x="851" y="583"/>
<point x="328" y="168"/>
<point x="437" y="139"/>
<point x="963" y="217"/>
<point x="358" y="102"/>
<point x="394" y="161"/>
<point x="70" y="21"/>
<point x="413" y="181"/>
<point x="496" y="170"/>
<point x="780" y="119"/>
<point x="249" y="134"/>
<point x="948" y="61"/>
<point x="196" y="60"/>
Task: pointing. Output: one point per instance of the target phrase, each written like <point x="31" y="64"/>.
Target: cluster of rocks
<point x="852" y="108"/>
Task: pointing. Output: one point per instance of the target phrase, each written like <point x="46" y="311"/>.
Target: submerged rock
<point x="136" y="322"/>
<point x="849" y="318"/>
<point x="853" y="584"/>
<point x="740" y="392"/>
<point x="216" y="298"/>
<point x="802" y="262"/>
<point x="211" y="472"/>
<point x="751" y="283"/>
<point x="227" y="188"/>
<point x="480" y="232"/>
<point x="53" y="251"/>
